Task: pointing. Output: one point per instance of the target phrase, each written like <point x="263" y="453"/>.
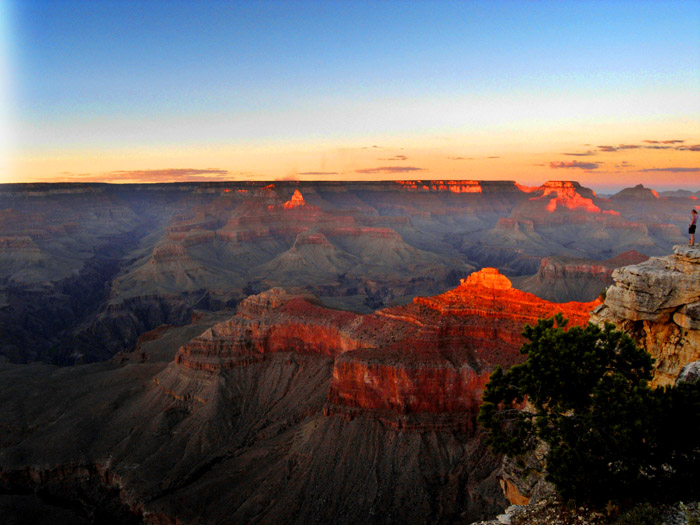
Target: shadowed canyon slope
<point x="86" y="268"/>
<point x="284" y="412"/>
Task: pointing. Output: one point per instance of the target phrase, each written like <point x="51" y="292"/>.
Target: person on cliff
<point x="691" y="227"/>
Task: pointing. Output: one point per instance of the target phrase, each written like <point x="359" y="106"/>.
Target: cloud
<point x="625" y="146"/>
<point x="493" y="157"/>
<point x="290" y="177"/>
<point x="319" y="173"/>
<point x="584" y="154"/>
<point x="460" y="158"/>
<point x="676" y="144"/>
<point x="390" y="169"/>
<point x="146" y="176"/>
<point x="574" y="164"/>
<point x="374" y="146"/>
<point x="397" y="157"/>
<point x="671" y="170"/>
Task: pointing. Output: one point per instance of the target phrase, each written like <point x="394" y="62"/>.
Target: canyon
<point x="86" y="268"/>
<point x="249" y="414"/>
<point x="288" y="351"/>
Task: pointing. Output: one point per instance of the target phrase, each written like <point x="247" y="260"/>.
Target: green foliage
<point x="609" y="435"/>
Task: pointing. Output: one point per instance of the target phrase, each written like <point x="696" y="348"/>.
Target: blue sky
<point x="122" y="78"/>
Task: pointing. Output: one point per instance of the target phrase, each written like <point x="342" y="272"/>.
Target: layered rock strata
<point x="657" y="302"/>
<point x="420" y="366"/>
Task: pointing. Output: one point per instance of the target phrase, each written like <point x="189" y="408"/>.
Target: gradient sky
<point x="606" y="93"/>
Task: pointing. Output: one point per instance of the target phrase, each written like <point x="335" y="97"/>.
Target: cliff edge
<point x="657" y="303"/>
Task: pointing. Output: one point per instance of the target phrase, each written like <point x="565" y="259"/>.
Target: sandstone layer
<point x="419" y="366"/>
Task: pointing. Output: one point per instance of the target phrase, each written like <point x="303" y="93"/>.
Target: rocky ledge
<point x="657" y="302"/>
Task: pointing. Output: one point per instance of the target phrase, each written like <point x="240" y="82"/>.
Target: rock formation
<point x="657" y="302"/>
<point x="562" y="278"/>
<point x="418" y="366"/>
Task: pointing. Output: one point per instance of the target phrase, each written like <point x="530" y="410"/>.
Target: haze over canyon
<point x="281" y="352"/>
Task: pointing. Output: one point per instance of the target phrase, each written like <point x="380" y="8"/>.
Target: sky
<point x="603" y="92"/>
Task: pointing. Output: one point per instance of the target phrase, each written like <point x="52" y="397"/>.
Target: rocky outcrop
<point x="657" y="302"/>
<point x="420" y="366"/>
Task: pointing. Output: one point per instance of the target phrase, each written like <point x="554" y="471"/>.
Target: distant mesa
<point x="562" y="278"/>
<point x="453" y="186"/>
<point x="568" y="194"/>
<point x="639" y="192"/>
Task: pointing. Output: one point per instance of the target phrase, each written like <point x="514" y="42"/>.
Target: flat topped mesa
<point x="296" y="201"/>
<point x="488" y="278"/>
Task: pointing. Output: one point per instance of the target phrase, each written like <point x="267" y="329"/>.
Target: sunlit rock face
<point x="420" y="366"/>
<point x="658" y="303"/>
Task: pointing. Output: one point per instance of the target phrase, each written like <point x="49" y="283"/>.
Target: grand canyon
<point x="228" y="352"/>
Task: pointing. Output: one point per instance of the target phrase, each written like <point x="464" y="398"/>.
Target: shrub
<point x="609" y="435"/>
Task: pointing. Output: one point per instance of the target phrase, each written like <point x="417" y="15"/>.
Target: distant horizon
<point x="603" y="92"/>
<point x="599" y="190"/>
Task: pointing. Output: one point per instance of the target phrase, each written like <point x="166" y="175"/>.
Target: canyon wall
<point x="657" y="302"/>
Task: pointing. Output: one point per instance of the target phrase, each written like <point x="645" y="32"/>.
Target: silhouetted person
<point x="691" y="227"/>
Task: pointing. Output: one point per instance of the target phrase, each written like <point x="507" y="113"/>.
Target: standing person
<point x="691" y="227"/>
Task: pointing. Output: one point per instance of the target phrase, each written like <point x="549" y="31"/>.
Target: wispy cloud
<point x="574" y="164"/>
<point x="319" y="173"/>
<point x="389" y="169"/>
<point x="676" y="144"/>
<point x="584" y="154"/>
<point x="493" y="157"/>
<point x="157" y="175"/>
<point x="460" y="158"/>
<point x="671" y="170"/>
<point x="397" y="157"/>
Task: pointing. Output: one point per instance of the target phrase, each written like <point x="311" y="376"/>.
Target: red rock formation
<point x="454" y="186"/>
<point x="418" y="366"/>
<point x="567" y="196"/>
<point x="296" y="201"/>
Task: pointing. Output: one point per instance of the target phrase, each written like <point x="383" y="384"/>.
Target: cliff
<point x="420" y="366"/>
<point x="562" y="278"/>
<point x="657" y="302"/>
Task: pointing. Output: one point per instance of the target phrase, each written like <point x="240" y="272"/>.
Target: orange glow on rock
<point x="454" y="186"/>
<point x="296" y="201"/>
<point x="567" y="196"/>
